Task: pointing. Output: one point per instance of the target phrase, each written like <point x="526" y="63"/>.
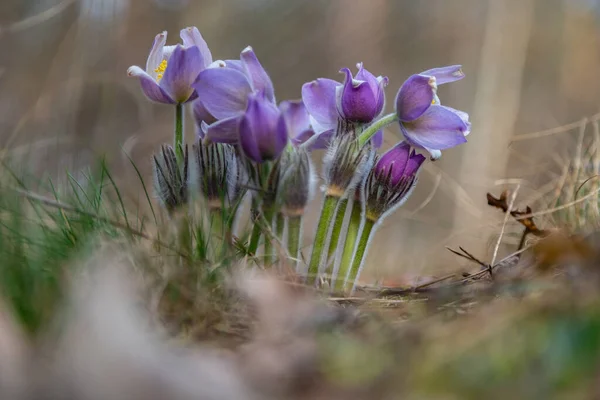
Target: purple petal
<point x="393" y="162"/>
<point x="182" y="70"/>
<point x="224" y="131"/>
<point x="261" y="129"/>
<point x="414" y="97"/>
<point x="223" y="91"/>
<point x="413" y="164"/>
<point x="366" y="76"/>
<point x="382" y="82"/>
<point x="201" y="114"/>
<point x="302" y="137"/>
<point x="438" y="129"/>
<point x="377" y="139"/>
<point x="296" y="116"/>
<point x="237" y="65"/>
<point x="464" y="116"/>
<point x="319" y="141"/>
<point x="443" y="75"/>
<point x="149" y="86"/>
<point x="256" y="73"/>
<point x="320" y="101"/>
<point x="248" y="142"/>
<point x="156" y="54"/>
<point x="358" y="100"/>
<point x="191" y="37"/>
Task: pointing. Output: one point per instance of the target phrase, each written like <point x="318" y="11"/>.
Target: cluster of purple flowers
<point x="255" y="137"/>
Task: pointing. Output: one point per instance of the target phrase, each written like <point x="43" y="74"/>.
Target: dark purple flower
<point x="224" y="98"/>
<point x="424" y="122"/>
<point x="398" y="163"/>
<point x="358" y="100"/>
<point x="391" y="180"/>
<point x="263" y="132"/>
<point x="171" y="70"/>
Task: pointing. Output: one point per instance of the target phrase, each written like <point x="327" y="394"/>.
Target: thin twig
<point x="506" y="216"/>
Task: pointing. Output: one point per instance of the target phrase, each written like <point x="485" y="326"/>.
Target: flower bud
<point x="297" y="182"/>
<point x="391" y="180"/>
<point x="170" y="180"/>
<point x="215" y="173"/>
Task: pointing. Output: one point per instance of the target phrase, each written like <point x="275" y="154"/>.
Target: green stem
<point x="178" y="141"/>
<point x="349" y="246"/>
<point x="268" y="213"/>
<point x="256" y="230"/>
<point x="336" y="232"/>
<point x="218" y="230"/>
<point x="293" y="239"/>
<point x="372" y="129"/>
<point x="280" y="226"/>
<point x="361" y="249"/>
<point x="327" y="213"/>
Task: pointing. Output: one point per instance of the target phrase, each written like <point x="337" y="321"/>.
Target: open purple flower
<point x="424" y="122"/>
<point x="263" y="130"/>
<point x="171" y="70"/>
<point x="224" y="95"/>
<point x="360" y="99"/>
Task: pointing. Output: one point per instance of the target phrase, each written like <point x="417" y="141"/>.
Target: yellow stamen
<point x="160" y="70"/>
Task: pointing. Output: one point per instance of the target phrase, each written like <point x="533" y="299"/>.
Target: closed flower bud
<point x="297" y="182"/>
<point x="391" y="180"/>
<point x="345" y="164"/>
<point x="215" y="173"/>
<point x="170" y="180"/>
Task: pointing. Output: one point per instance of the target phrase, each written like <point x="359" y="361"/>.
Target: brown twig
<point x="523" y="217"/>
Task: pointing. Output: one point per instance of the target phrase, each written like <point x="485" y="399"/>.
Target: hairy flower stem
<point x="178" y="140"/>
<point x="327" y="214"/>
<point x="294" y="231"/>
<point x="268" y="213"/>
<point x="372" y="129"/>
<point x="218" y="231"/>
<point x="349" y="247"/>
<point x="336" y="232"/>
<point x="256" y="229"/>
<point x="359" y="256"/>
<point x="184" y="235"/>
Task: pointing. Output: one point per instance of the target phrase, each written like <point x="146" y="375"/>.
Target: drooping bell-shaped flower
<point x="170" y="179"/>
<point x="358" y="100"/>
<point x="263" y="132"/>
<point x="424" y="122"/>
<point x="171" y="70"/>
<point x="391" y="180"/>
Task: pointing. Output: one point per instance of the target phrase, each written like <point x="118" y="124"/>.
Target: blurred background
<point x="532" y="71"/>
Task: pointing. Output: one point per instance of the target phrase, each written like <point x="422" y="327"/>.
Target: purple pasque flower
<point x="224" y="98"/>
<point x="397" y="164"/>
<point x="263" y="132"/>
<point x="391" y="181"/>
<point x="424" y="122"/>
<point x="171" y="70"/>
<point x="358" y="100"/>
